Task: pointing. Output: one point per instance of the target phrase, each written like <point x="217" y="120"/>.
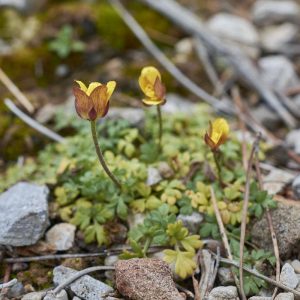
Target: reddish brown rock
<point x="146" y="279"/>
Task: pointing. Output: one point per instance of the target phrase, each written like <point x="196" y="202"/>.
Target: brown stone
<point x="146" y="279"/>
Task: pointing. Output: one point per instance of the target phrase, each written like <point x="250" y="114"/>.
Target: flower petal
<point x="91" y="87"/>
<point x="99" y="99"/>
<point x="147" y="80"/>
<point x="81" y="85"/>
<point x="83" y="103"/>
<point x="153" y="101"/>
<point x="159" y="89"/>
<point x="111" y="85"/>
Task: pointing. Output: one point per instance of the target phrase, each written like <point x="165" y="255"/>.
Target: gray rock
<point x="191" y="222"/>
<point x="183" y="49"/>
<point x="85" y="287"/>
<point x="62" y="295"/>
<point x="77" y="298"/>
<point x="153" y="176"/>
<point x="34" y="296"/>
<point x="23" y="5"/>
<point x="276" y="180"/>
<point x="23" y="214"/>
<point x="110" y="261"/>
<point x="278" y="72"/>
<point x="61" y="236"/>
<point x="266" y="116"/>
<point x="16" y="291"/>
<point x="269" y="11"/>
<point x="296" y="266"/>
<point x="285" y="296"/>
<point x="287" y="232"/>
<point x="223" y="293"/>
<point x="275" y="38"/>
<point x="135" y="116"/>
<point x="235" y="31"/>
<point x="293" y="140"/>
<point x="225" y="276"/>
<point x="288" y="276"/>
<point x="296" y="186"/>
<point x="176" y="104"/>
<point x="260" y="298"/>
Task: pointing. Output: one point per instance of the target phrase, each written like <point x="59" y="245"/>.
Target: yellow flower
<point x="92" y="102"/>
<point x="217" y="134"/>
<point x="150" y="83"/>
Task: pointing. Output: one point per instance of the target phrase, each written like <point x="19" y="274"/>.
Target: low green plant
<point x="64" y="43"/>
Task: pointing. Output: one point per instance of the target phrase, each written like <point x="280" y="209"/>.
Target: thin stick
<point x="160" y="126"/>
<point x="223" y="232"/>
<point x="271" y="227"/>
<point x="244" y="213"/>
<point x="210" y="70"/>
<point x="15" y="91"/>
<point x="33" y="123"/>
<point x="165" y="61"/>
<point x="258" y="275"/>
<point x="101" y="158"/>
<point x="8" y="284"/>
<point x="80" y="274"/>
<point x="238" y="102"/>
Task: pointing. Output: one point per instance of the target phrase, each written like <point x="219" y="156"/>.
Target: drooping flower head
<point x="217" y="133"/>
<point x="92" y="102"/>
<point x="152" y="86"/>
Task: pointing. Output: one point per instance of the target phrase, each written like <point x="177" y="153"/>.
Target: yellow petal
<point x="147" y="80"/>
<point x="81" y="85"/>
<point x="153" y="101"/>
<point x="220" y="129"/>
<point x="91" y="87"/>
<point x="111" y="85"/>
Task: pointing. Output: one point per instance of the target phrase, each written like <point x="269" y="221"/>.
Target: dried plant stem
<point x="159" y="116"/>
<point x="80" y="274"/>
<point x="15" y="91"/>
<point x="271" y="227"/>
<point x="244" y="213"/>
<point x="101" y="158"/>
<point x="258" y="275"/>
<point x="223" y="232"/>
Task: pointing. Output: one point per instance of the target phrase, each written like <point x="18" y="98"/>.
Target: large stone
<point x="276" y="180"/>
<point x="62" y="295"/>
<point x="23" y="214"/>
<point x="286" y="221"/>
<point x="288" y="276"/>
<point x="86" y="287"/>
<point x="276" y="38"/>
<point x="135" y="116"/>
<point x="270" y="11"/>
<point x="260" y="298"/>
<point x="235" y="31"/>
<point x="145" y="279"/>
<point x="225" y="276"/>
<point x="61" y="236"/>
<point x="34" y="296"/>
<point x="223" y="293"/>
<point x="191" y="222"/>
<point x="285" y="296"/>
<point x="293" y="140"/>
<point x="296" y="266"/>
<point x="177" y="104"/>
<point x="278" y="72"/>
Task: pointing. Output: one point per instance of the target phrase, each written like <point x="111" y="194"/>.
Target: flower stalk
<point x="100" y="156"/>
<point x="160" y="130"/>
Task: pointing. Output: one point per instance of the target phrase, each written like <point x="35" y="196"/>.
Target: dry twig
<point x="245" y="212"/>
<point x="271" y="227"/>
<point x="223" y="232"/>
<point x="33" y="123"/>
<point x="258" y="275"/>
<point x="15" y="91"/>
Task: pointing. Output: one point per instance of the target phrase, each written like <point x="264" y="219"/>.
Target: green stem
<point x="218" y="167"/>
<point x="160" y="126"/>
<point x="101" y="158"/>
<point x="146" y="246"/>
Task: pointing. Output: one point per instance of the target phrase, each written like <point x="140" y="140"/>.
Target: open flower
<point x="92" y="102"/>
<point x="151" y="85"/>
<point x="217" y="134"/>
